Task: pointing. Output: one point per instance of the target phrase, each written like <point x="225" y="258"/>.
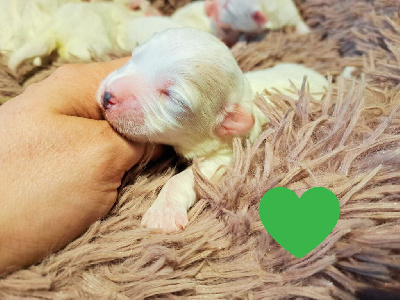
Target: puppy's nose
<point x="107" y="100"/>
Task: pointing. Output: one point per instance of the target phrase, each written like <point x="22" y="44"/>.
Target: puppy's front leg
<point x="302" y="28"/>
<point x="169" y="210"/>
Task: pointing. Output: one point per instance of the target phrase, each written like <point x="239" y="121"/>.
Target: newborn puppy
<point x="184" y="88"/>
<point x="243" y="15"/>
<point x="231" y="18"/>
<point x="99" y="27"/>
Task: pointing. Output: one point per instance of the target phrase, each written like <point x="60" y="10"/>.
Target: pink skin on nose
<point x="121" y="97"/>
<point x="120" y="91"/>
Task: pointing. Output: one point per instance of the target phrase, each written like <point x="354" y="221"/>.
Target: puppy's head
<point x="240" y="15"/>
<point x="181" y="87"/>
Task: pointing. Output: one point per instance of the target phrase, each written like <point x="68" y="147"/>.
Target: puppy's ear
<point x="236" y="121"/>
<point x="259" y="18"/>
<point x="210" y="7"/>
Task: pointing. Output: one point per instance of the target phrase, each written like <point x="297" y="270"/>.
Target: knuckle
<point x="32" y="87"/>
<point x="67" y="70"/>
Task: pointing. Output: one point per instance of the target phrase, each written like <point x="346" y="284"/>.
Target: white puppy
<point x="230" y="18"/>
<point x="30" y="29"/>
<point x="184" y="88"/>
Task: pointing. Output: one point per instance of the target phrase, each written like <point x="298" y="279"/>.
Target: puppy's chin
<point x="130" y="130"/>
<point x="136" y="131"/>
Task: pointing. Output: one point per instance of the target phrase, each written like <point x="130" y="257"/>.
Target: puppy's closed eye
<point x="164" y="92"/>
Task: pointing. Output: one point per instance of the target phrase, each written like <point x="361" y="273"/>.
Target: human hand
<point x="60" y="162"/>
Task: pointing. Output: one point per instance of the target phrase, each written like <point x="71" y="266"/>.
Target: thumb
<point x="123" y="154"/>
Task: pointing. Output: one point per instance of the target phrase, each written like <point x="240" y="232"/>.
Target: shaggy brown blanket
<point x="348" y="143"/>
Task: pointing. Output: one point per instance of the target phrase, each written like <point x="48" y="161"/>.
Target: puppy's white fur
<point x="281" y="13"/>
<point x="140" y="30"/>
<point x="192" y="15"/>
<point x="237" y="14"/>
<point x="229" y="18"/>
<point x="184" y="88"/>
<point x="35" y="28"/>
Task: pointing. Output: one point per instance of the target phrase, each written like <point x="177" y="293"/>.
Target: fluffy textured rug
<point x="349" y="143"/>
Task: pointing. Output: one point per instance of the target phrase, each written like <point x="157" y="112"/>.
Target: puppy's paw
<point x="168" y="216"/>
<point x="302" y="28"/>
<point x="169" y="210"/>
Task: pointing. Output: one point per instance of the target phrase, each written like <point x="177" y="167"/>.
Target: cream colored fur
<point x="282" y="13"/>
<point x="33" y="29"/>
<point x="139" y="30"/>
<point x="281" y="77"/>
<point x="193" y="15"/>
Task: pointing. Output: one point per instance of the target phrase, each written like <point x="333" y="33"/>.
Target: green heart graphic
<point x="299" y="225"/>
